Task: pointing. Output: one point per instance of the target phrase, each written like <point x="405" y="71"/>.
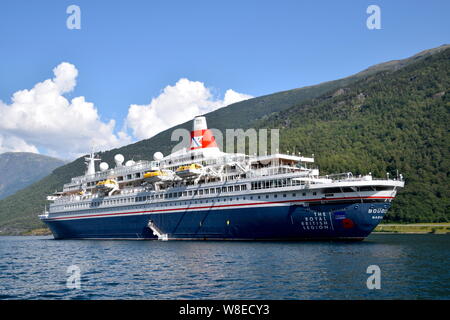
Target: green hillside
<point x="348" y="127"/>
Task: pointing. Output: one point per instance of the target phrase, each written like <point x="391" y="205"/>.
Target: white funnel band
<point x="199" y="124"/>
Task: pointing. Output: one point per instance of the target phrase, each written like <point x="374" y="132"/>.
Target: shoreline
<point x="413" y="228"/>
<point x="388" y="228"/>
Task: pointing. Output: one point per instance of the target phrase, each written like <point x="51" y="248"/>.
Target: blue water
<point x="412" y="267"/>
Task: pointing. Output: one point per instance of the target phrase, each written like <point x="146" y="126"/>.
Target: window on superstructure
<point x="365" y="188"/>
<point x="201" y="192"/>
<point x="224" y="189"/>
<point x="243" y="187"/>
<point x="382" y="188"/>
<point x="230" y="189"/>
<point x="236" y="188"/>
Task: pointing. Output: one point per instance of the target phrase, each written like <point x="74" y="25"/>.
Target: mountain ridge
<point x="20" y="169"/>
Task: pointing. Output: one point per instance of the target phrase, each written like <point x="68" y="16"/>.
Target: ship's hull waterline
<point x="334" y="221"/>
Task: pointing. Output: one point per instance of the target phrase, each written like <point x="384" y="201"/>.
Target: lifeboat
<point x="189" y="171"/>
<point x="107" y="184"/>
<point x="158" y="176"/>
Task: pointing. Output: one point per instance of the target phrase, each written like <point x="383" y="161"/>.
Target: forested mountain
<point x="391" y="116"/>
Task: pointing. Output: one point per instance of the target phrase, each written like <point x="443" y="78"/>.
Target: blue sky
<point x="127" y="52"/>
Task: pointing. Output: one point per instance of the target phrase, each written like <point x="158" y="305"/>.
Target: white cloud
<point x="15" y="144"/>
<point x="175" y="105"/>
<point x="42" y="118"/>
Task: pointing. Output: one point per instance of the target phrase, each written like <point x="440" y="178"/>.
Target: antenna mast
<point x="90" y="162"/>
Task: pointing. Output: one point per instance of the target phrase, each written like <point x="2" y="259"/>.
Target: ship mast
<point x="90" y="162"/>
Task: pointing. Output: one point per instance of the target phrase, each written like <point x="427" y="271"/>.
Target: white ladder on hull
<point x="156" y="231"/>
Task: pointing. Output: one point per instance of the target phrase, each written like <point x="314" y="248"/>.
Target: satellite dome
<point x="118" y="158"/>
<point x="129" y="163"/>
<point x="157" y="156"/>
<point x="104" y="166"/>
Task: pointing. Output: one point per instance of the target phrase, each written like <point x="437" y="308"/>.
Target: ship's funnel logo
<point x="196" y="142"/>
<point x="202" y="139"/>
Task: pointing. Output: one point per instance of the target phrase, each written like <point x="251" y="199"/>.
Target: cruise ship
<point x="202" y="193"/>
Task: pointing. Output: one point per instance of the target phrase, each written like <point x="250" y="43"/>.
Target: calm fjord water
<point x="412" y="267"/>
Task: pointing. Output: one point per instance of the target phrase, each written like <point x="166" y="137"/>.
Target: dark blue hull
<point x="353" y="221"/>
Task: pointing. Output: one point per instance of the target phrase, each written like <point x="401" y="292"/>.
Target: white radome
<point x="104" y="166"/>
<point x="158" y="156"/>
<point x="118" y="158"/>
